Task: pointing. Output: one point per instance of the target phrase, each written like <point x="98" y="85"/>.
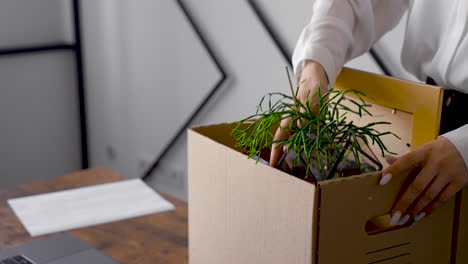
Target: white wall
<point x="148" y="70"/>
<point x="40" y="135"/>
<point x="110" y="141"/>
<point x="168" y="71"/>
<point x="30" y="22"/>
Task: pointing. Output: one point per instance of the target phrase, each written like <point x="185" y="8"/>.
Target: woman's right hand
<point x="309" y="79"/>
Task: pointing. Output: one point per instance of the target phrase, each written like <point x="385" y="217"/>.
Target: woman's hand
<point x="442" y="174"/>
<point x="312" y="75"/>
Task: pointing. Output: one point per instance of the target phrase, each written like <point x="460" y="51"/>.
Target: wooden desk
<point x="159" y="238"/>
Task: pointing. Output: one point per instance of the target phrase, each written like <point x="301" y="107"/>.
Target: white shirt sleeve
<point x="459" y="137"/>
<point x="343" y="29"/>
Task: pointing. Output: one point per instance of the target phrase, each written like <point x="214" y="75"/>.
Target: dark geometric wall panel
<point x="210" y="52"/>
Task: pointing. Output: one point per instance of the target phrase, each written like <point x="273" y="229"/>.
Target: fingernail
<point x="419" y="216"/>
<point x="395" y="218"/>
<point x="385" y="179"/>
<point x="404" y="220"/>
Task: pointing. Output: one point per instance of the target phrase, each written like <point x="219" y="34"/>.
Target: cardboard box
<point x="241" y="211"/>
<point x="460" y="247"/>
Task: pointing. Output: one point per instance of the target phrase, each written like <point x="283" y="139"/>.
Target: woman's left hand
<point x="442" y="174"/>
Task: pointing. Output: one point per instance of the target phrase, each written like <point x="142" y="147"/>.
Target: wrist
<point x="316" y="68"/>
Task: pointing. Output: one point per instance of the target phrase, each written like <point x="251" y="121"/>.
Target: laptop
<point x="62" y="248"/>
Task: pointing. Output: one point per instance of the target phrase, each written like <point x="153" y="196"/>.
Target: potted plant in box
<point x="322" y="145"/>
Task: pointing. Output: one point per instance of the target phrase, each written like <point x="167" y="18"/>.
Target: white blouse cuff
<point x="319" y="54"/>
<point x="459" y="137"/>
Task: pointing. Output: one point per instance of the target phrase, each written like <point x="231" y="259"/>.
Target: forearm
<point x="342" y="29"/>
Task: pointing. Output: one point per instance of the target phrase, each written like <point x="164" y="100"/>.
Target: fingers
<point x="312" y="74"/>
<point x="448" y="192"/>
<point x="413" y="192"/>
<point x="429" y="196"/>
<point x="390" y="159"/>
<point x="281" y="133"/>
<point x="440" y="173"/>
<point x="403" y="165"/>
<point x="311" y="77"/>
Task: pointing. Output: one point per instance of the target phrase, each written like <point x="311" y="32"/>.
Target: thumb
<point x="390" y="159"/>
<point x="276" y="151"/>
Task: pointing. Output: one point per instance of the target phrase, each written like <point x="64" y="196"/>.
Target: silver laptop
<point x="57" y="249"/>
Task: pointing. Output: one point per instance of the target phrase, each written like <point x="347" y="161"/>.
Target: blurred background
<point x="115" y="83"/>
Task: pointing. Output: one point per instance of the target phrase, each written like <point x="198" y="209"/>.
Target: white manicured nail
<point x="395" y="218"/>
<point x="419" y="216"/>
<point x="385" y="179"/>
<point x="404" y="220"/>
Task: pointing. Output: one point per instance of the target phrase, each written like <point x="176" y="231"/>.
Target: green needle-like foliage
<point x="326" y="136"/>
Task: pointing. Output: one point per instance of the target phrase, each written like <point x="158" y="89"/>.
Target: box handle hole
<point x="381" y="224"/>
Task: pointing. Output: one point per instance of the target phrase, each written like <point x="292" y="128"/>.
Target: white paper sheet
<point x="87" y="206"/>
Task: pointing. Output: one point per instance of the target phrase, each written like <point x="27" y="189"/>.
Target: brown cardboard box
<point x="241" y="211"/>
<point x="461" y="225"/>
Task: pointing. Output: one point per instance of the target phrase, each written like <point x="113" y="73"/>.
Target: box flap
<point x="423" y="102"/>
<point x="220" y="133"/>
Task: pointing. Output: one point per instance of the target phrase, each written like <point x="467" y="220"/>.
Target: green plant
<point x="321" y="140"/>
